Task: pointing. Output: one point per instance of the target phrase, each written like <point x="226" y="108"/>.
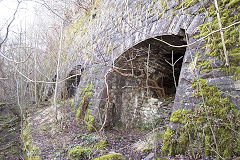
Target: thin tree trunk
<point x="222" y="35"/>
<point x="57" y="74"/>
<point x="35" y="74"/>
<point x="148" y="69"/>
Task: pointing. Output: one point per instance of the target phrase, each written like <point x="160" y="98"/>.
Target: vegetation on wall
<point x="83" y="111"/>
<point x="230" y="13"/>
<point x="212" y="128"/>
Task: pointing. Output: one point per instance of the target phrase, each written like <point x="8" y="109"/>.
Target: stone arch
<point x="138" y="87"/>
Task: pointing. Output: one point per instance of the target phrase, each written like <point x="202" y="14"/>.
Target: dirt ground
<point x="53" y="140"/>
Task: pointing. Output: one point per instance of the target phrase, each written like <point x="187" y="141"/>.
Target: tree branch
<point x="160" y="91"/>
<point x="187" y="45"/>
<point x="13" y="18"/>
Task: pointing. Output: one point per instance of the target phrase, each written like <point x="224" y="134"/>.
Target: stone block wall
<point x="132" y="106"/>
<point x="119" y="25"/>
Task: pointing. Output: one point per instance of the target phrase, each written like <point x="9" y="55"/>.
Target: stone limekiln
<point x="123" y="35"/>
<point x="141" y="81"/>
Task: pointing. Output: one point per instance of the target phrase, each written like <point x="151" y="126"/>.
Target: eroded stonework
<point x="132" y="106"/>
<point x="117" y="27"/>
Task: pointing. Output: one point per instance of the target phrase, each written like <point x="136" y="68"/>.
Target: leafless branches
<point x="107" y="104"/>
<point x="172" y="64"/>
<point x="187" y="45"/>
<point x="10" y="23"/>
<point x="82" y="4"/>
<point x="43" y="3"/>
<point x="14" y="61"/>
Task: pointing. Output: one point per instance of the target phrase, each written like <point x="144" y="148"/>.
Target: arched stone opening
<point x="72" y="83"/>
<point x="142" y="79"/>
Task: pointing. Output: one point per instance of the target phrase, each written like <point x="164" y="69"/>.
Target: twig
<point x="17" y="62"/>
<point x="160" y="91"/>
<point x="222" y="35"/>
<point x="50" y="9"/>
<point x="173" y="69"/>
<point x="107" y="104"/>
<point x="7" y="32"/>
<point x="187" y="45"/>
<point x="3" y="78"/>
<point x="148" y="67"/>
<point x="47" y="82"/>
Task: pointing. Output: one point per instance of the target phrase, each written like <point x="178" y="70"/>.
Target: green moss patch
<point x="80" y="153"/>
<point x="113" y="156"/>
<point x="103" y="144"/>
<point x="31" y="152"/>
<point x="83" y="108"/>
<point x="211" y="130"/>
<point x="187" y="3"/>
<point x="229" y="14"/>
<point x="89" y="120"/>
<point x="86" y="94"/>
<point x="180" y="116"/>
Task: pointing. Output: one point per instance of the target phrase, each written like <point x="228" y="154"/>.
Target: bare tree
<point x="57" y="72"/>
<point x="9" y="25"/>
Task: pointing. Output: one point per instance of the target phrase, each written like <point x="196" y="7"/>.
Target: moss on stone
<point x="167" y="136"/>
<point x="164" y="8"/>
<point x="34" y="158"/>
<point x="79" y="152"/>
<point x="112" y="156"/>
<point x="214" y="44"/>
<point x="187" y="3"/>
<point x="183" y="141"/>
<point x="31" y="152"/>
<point x="201" y="10"/>
<point x="180" y="116"/>
<point x="86" y="93"/>
<point x="213" y="126"/>
<point x="13" y="152"/>
<point x="234" y="2"/>
<point x="89" y="120"/>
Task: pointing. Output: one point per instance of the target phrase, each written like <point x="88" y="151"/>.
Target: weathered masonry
<point x="140" y="81"/>
<point x="128" y="37"/>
